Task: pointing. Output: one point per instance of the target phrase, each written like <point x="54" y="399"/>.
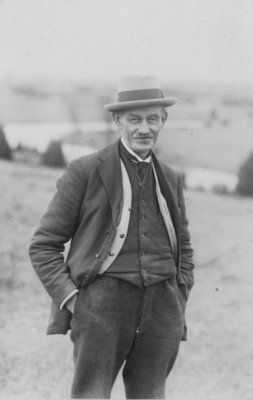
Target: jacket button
<point x="111" y="253"/>
<point x="122" y="235"/>
<point x="97" y="255"/>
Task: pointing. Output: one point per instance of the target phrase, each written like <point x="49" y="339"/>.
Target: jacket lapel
<point x="167" y="188"/>
<point x="110" y="172"/>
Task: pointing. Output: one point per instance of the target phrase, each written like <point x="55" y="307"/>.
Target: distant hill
<point x="217" y="147"/>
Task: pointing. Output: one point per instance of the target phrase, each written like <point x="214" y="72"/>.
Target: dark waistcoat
<point x="145" y="257"/>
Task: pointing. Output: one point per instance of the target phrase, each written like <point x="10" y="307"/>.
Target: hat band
<point x="143" y="94"/>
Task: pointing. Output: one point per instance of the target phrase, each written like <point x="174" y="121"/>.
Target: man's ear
<point x="164" y="116"/>
<point x="116" y="118"/>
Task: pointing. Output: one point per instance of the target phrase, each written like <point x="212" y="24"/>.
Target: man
<point x="123" y="287"/>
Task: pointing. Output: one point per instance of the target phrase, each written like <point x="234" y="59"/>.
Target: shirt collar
<point x="147" y="160"/>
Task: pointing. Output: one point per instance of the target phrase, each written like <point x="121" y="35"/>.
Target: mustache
<point x="142" y="136"/>
<point x="149" y="134"/>
<point x="139" y="135"/>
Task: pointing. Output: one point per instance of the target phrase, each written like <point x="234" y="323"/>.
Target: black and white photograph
<point x="126" y="199"/>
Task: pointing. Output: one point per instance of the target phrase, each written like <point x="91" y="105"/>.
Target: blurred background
<point x="59" y="64"/>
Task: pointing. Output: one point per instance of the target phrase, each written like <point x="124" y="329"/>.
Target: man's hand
<point x="70" y="305"/>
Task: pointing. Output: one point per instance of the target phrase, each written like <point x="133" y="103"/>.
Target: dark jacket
<point x="86" y="210"/>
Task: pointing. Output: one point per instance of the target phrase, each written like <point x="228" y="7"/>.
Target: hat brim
<point x="128" y="105"/>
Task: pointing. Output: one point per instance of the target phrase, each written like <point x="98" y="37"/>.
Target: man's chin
<point x="141" y="146"/>
<point x="142" y="149"/>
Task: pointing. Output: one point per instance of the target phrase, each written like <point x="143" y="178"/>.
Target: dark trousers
<point x="115" y="322"/>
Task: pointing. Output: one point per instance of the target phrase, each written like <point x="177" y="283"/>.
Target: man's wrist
<point x="70" y="304"/>
<point x="68" y="297"/>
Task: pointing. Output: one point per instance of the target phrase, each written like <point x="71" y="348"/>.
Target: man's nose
<point x="144" y="128"/>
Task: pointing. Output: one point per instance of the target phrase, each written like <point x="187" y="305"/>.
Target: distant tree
<point x="5" y="150"/>
<point x="245" y="175"/>
<point x="53" y="156"/>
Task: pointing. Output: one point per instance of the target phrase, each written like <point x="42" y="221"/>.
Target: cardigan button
<point x="111" y="254"/>
<point x="122" y="235"/>
<point x="84" y="280"/>
<point x="97" y="255"/>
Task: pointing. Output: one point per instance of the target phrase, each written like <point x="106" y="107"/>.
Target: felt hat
<point x="137" y="92"/>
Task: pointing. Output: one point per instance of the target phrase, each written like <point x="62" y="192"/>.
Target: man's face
<point x="140" y="128"/>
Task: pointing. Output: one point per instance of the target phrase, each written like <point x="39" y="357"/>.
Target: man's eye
<point x="134" y="120"/>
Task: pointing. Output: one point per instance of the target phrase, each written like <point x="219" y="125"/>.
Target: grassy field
<point x="217" y="360"/>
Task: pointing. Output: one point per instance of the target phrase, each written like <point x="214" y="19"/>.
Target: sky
<point x="177" y="40"/>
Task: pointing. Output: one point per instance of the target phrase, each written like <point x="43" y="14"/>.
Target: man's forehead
<point x="144" y="111"/>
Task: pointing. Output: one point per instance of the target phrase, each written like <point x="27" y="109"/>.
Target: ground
<point x="217" y="360"/>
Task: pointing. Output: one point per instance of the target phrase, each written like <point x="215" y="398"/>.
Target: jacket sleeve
<point x="57" y="226"/>
<point x="187" y="264"/>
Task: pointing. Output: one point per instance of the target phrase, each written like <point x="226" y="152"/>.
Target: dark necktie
<point x="142" y="166"/>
